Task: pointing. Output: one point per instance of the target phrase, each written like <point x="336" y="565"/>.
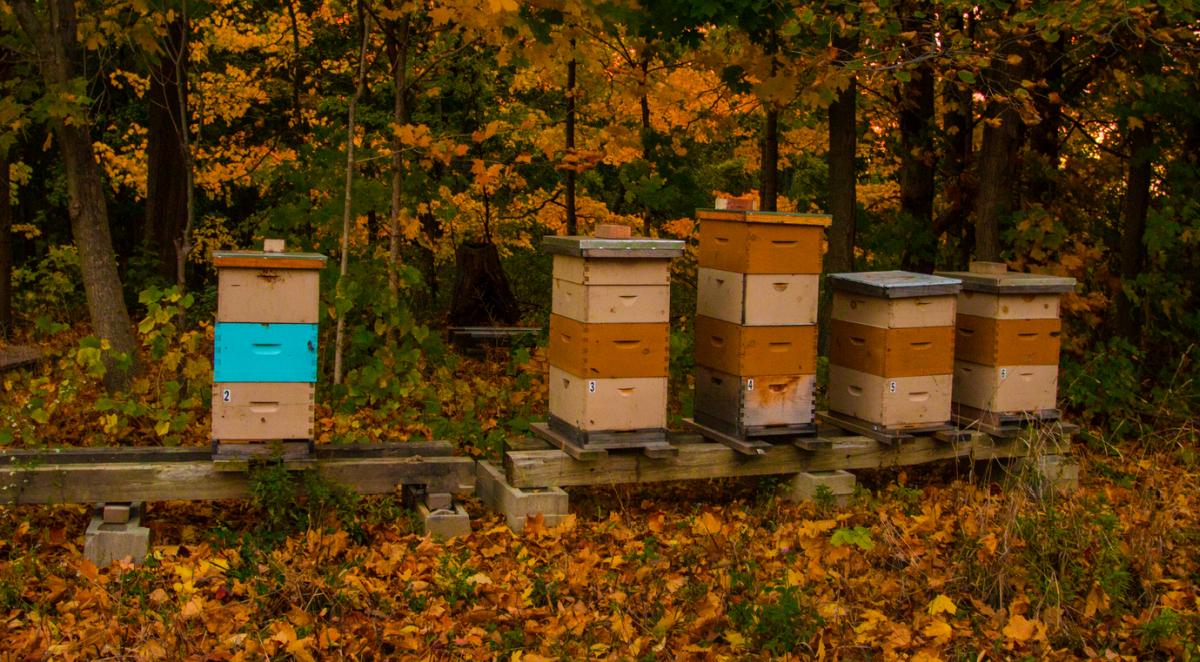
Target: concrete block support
<point x="106" y="542"/>
<point x="804" y="486"/>
<point x="516" y="505"/>
<point x="444" y="523"/>
<point x="1060" y="471"/>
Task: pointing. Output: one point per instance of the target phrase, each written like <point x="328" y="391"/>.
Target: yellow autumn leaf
<point x="707" y="524"/>
<point x="1019" y="628"/>
<point x="939" y="630"/>
<point x="942" y="604"/>
<point x="1097" y="600"/>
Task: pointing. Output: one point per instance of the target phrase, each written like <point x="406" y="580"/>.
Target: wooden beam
<point x="200" y="480"/>
<point x="47" y="456"/>
<point x="552" y="468"/>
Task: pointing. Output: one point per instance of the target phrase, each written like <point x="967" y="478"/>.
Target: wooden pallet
<point x="754" y="431"/>
<point x="240" y="456"/>
<point x="804" y="437"/>
<point x="594" y="446"/>
<point x="944" y="432"/>
<point x="1006" y="424"/>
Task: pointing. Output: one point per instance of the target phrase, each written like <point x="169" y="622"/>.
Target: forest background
<point x="427" y="147"/>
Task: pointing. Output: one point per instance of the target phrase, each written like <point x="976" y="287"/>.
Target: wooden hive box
<point x="609" y="350"/>
<point x="892" y="348"/>
<point x="758" y="299"/>
<point x="617" y="404"/>
<point x="248" y="352"/>
<point x="747" y="406"/>
<point x="609" y="332"/>
<point x="265" y="344"/>
<point x="754" y="242"/>
<point x="893" y="403"/>
<point x="249" y="411"/>
<point x="1008" y="339"/>
<point x="755" y="350"/>
<point x="273" y="288"/>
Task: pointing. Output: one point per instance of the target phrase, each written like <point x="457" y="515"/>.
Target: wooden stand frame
<point x="945" y="432"/>
<point x="698" y="459"/>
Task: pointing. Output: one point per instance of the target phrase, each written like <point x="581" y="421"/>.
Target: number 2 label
<point x="226" y="396"/>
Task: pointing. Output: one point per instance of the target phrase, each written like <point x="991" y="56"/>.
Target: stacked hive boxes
<point x="609" y="336"/>
<point x="1006" y="350"/>
<point x="265" y="350"/>
<point x="892" y="348"/>
<point x="756" y="334"/>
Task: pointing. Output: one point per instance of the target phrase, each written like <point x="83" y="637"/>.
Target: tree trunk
<point x="166" y="169"/>
<point x="997" y="174"/>
<point x="482" y="296"/>
<point x="55" y="43"/>
<point x="398" y="50"/>
<point x="917" y="169"/>
<point x="348" y="197"/>
<point x="572" y="224"/>
<point x="769" y="195"/>
<point x="843" y="192"/>
<point x="6" y="318"/>
<point x="843" y="195"/>
<point x="1133" y="229"/>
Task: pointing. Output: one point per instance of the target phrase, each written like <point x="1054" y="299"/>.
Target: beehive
<point x="1008" y="340"/>
<point x="892" y="348"/>
<point x="265" y="345"/>
<point x="758" y="284"/>
<point x="609" y="331"/>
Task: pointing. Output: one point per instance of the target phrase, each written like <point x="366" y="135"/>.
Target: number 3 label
<point x="592" y="386"/>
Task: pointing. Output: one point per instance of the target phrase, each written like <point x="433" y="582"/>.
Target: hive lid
<point x="1011" y="282"/>
<point x="774" y="217"/>
<point x="268" y="260"/>
<point x="637" y="247"/>
<point x="894" y="284"/>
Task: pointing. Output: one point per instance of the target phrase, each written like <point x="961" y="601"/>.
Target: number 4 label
<point x="749" y="384"/>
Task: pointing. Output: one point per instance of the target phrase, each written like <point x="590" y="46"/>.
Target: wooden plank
<point x="546" y="433"/>
<point x="710" y="460"/>
<point x="44" y="456"/>
<point x="18" y="356"/>
<point x="201" y="481"/>
<point x="744" y="446"/>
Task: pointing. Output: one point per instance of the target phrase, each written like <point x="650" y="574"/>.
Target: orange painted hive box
<point x="892" y="348"/>
<point x="755" y="242"/>
<point x="1007" y="340"/>
<point x="609" y="332"/>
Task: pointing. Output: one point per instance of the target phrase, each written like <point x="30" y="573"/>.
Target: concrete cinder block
<point x="1059" y="471"/>
<point x="804" y="486"/>
<point x="445" y="523"/>
<point x="515" y="504"/>
<point x="108" y="542"/>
